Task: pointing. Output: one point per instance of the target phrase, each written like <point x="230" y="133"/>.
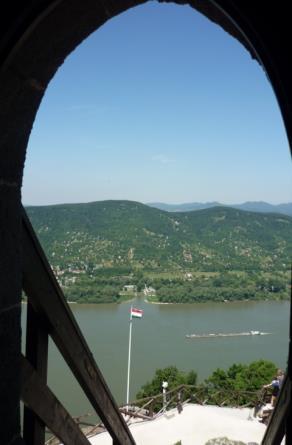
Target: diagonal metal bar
<point x="48" y="300"/>
<point x="39" y="398"/>
<point x="37" y="354"/>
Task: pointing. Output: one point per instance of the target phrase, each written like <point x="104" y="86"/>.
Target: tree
<point x="172" y="375"/>
<point x="238" y="385"/>
<point x="239" y="382"/>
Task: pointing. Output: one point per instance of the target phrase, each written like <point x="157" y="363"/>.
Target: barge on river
<point x="230" y="334"/>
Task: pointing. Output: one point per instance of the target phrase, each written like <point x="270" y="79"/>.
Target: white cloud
<point x="162" y="159"/>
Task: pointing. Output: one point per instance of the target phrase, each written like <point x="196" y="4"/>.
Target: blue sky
<point x="162" y="105"/>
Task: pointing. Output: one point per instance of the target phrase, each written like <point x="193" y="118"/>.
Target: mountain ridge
<point x="159" y="236"/>
<point x="252" y="206"/>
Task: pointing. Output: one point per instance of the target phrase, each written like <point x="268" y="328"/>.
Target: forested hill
<point x="113" y="234"/>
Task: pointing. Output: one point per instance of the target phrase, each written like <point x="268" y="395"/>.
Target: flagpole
<point x="129" y="360"/>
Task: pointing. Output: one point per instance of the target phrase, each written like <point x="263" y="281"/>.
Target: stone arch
<point x="48" y="36"/>
<point x="35" y="38"/>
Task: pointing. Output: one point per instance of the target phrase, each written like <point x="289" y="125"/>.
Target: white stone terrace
<point x="195" y="425"/>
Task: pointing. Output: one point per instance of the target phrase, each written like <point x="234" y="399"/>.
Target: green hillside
<point x="108" y="244"/>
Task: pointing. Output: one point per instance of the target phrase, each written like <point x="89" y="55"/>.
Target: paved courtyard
<point x="194" y="426"/>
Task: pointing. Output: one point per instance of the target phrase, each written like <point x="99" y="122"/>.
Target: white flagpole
<point x="129" y="360"/>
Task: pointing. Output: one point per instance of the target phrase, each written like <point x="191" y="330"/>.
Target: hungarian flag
<point x="137" y="313"/>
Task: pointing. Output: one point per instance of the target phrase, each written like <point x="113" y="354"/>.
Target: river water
<point x="158" y="340"/>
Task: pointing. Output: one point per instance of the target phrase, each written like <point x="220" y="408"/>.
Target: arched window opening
<point x="228" y="256"/>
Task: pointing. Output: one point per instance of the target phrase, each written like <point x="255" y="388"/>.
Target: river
<point x="158" y="340"/>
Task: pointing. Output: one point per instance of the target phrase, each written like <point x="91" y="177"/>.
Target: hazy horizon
<point x="159" y="202"/>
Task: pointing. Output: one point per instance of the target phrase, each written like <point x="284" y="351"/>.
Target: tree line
<point x="241" y="384"/>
